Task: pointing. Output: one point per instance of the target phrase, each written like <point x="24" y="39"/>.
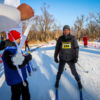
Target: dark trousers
<point x="61" y="68"/>
<point x="26" y="47"/>
<point x="18" y="90"/>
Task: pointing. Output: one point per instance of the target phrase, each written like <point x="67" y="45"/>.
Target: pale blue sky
<point x="66" y="11"/>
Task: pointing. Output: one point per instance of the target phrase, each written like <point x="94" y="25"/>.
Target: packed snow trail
<point x="41" y="84"/>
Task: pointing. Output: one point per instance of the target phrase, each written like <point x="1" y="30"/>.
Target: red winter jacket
<point x="26" y="42"/>
<point x="85" y="39"/>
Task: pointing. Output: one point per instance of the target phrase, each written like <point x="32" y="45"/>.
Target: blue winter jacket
<point x="12" y="76"/>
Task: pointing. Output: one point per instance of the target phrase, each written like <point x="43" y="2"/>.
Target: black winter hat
<point x="66" y="27"/>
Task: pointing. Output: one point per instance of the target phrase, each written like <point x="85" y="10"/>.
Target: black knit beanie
<point x="66" y="27"/>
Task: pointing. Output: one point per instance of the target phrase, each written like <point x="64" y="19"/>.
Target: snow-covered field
<point x="41" y="83"/>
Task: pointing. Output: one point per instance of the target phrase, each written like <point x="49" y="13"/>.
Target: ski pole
<point x="82" y="68"/>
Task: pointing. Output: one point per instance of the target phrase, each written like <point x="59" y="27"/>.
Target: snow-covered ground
<point x="41" y="83"/>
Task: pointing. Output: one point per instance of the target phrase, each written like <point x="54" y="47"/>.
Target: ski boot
<point x="57" y="84"/>
<point x="79" y="85"/>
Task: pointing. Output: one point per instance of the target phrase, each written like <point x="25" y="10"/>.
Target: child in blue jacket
<point x="12" y="76"/>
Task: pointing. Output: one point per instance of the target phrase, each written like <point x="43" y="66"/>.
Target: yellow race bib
<point x="66" y="45"/>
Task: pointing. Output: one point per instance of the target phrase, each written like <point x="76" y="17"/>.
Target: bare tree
<point x="43" y="27"/>
<point x="24" y="24"/>
<point x="47" y="21"/>
<point x="74" y="31"/>
<point x="96" y="16"/>
<point x="33" y="31"/>
<point x="79" y="24"/>
<point x="56" y="30"/>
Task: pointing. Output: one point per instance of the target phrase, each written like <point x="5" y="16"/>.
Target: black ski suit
<point x="68" y="49"/>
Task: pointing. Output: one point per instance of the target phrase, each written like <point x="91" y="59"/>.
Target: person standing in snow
<point x="85" y="39"/>
<point x="12" y="77"/>
<point x="68" y="49"/>
<point x="26" y="45"/>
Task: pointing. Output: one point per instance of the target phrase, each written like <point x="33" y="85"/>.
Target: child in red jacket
<point x="26" y="45"/>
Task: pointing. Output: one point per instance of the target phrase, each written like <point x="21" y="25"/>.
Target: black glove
<point x="29" y="57"/>
<point x="75" y="60"/>
<point x="56" y="60"/>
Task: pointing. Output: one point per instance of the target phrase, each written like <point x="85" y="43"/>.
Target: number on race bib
<point x="66" y="45"/>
